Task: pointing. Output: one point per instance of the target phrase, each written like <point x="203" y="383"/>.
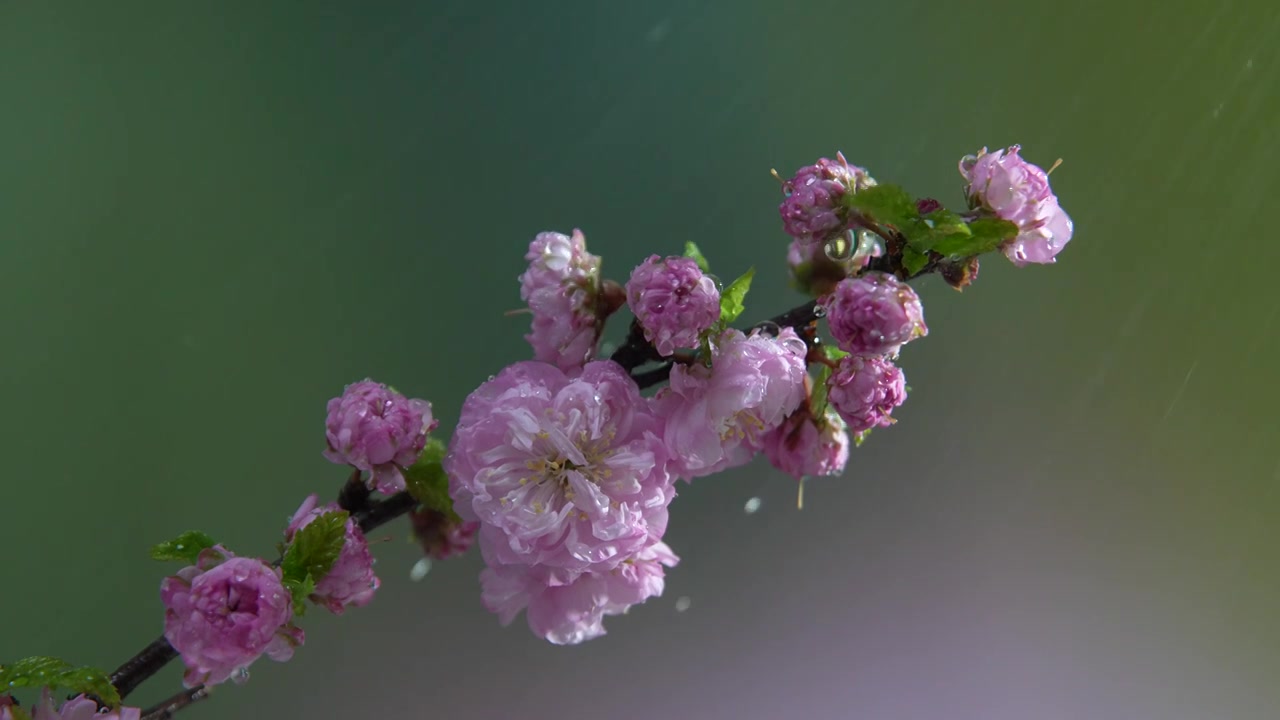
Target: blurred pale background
<point x="212" y="217"/>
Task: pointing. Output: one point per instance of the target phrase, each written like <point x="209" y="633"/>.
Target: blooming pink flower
<point x="351" y="580"/>
<point x="874" y="314"/>
<point x="442" y="538"/>
<point x="560" y="287"/>
<point x="673" y="300"/>
<point x="812" y="212"/>
<point x="1017" y="191"/>
<point x="222" y="613"/>
<point x="567" y="609"/>
<point x="716" y="417"/>
<point x="804" y="447"/>
<point x="77" y="708"/>
<point x="571" y="470"/>
<point x="865" y="390"/>
<point x="376" y="429"/>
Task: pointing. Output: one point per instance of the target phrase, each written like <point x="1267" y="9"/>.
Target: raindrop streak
<point x="420" y="569"/>
<point x="752" y="506"/>
<point x="683" y="603"/>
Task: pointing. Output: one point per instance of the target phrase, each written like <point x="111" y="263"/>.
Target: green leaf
<point x="311" y="554"/>
<point x="925" y="232"/>
<point x="732" y="300"/>
<point x="691" y="251"/>
<point x="186" y="547"/>
<point x="913" y="261"/>
<point x="985" y="235"/>
<point x="818" y="398"/>
<point x="885" y="204"/>
<point x="427" y="481"/>
<point x="57" y="674"/>
<point x="859" y="438"/>
<point x="300" y="590"/>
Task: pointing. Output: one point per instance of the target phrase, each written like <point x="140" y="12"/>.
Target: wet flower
<point x="805" y="447"/>
<point x="567" y="609"/>
<point x="571" y="470"/>
<point x="1018" y="191"/>
<point x="812" y="211"/>
<point x="351" y="581"/>
<point x="673" y="301"/>
<point x="376" y="429"/>
<point x="716" y="417"/>
<point x="874" y="314"/>
<point x="560" y="287"/>
<point x="77" y="708"/>
<point x="224" y="612"/>
<point x="865" y="390"/>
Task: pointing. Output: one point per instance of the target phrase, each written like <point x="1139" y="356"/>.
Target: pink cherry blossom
<point x="804" y="447"/>
<point x="560" y="287"/>
<point x="1018" y="191"/>
<point x="376" y="429"/>
<point x="567" y="609"/>
<point x="716" y="417"/>
<point x="865" y="390"/>
<point x="571" y="470"/>
<point x="673" y="301"/>
<point x="224" y="612"/>
<point x="874" y="314"/>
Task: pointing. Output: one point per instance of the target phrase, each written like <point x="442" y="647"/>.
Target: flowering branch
<point x="558" y="466"/>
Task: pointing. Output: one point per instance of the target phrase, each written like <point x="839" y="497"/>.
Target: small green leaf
<point x="691" y="251"/>
<point x="427" y="481"/>
<point x="818" y="397"/>
<point x="913" y="261"/>
<point x="885" y="204"/>
<point x="186" y="547"/>
<point x="312" y="552"/>
<point x="300" y="590"/>
<point x="927" y="231"/>
<point x="859" y="438"/>
<point x="732" y="300"/>
<point x="985" y="235"/>
<point x="58" y="674"/>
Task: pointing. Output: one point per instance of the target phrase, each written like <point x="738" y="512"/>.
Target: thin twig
<point x="168" y="708"/>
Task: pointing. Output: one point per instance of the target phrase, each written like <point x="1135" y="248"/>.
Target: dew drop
<point x="683" y="603"/>
<point x="752" y="506"/>
<point x="491" y="378"/>
<point x="819" y="311"/>
<point x="179" y="547"/>
<point x="869" y="245"/>
<point x="840" y="247"/>
<point x="420" y="569"/>
<point x="240" y="676"/>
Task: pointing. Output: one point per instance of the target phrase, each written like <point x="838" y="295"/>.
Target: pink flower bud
<point x="865" y="390"/>
<point x="874" y="314"/>
<point x="376" y="429"/>
<point x="673" y="301"/>
<point x="223" y="613"/>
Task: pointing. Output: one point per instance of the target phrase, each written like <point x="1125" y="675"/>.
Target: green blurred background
<point x="213" y="216"/>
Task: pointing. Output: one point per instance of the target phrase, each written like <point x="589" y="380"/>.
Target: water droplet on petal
<point x="420" y="569"/>
<point x="819" y="311"/>
<point x="240" y="676"/>
<point x="683" y="603"/>
<point x="752" y="506"/>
